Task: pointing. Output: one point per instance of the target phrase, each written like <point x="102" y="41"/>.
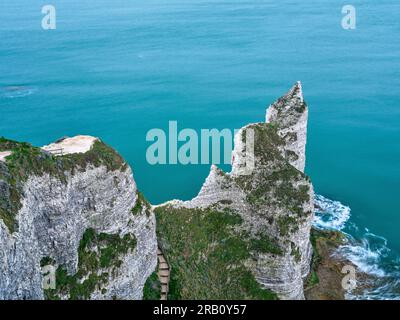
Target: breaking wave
<point x="368" y="251"/>
<point x="367" y="254"/>
<point x="331" y="215"/>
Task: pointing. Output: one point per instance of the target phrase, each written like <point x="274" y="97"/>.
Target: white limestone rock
<point x="276" y="198"/>
<point x="52" y="220"/>
<point x="290" y="112"/>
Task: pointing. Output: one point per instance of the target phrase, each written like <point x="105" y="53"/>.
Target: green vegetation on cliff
<point x="264" y="244"/>
<point x="98" y="255"/>
<point x="211" y="251"/>
<point x="274" y="175"/>
<point x="325" y="279"/>
<point x="281" y="104"/>
<point x="140" y="205"/>
<point x="208" y="255"/>
<point x="26" y="160"/>
<point x="275" y="183"/>
<point x="152" y="287"/>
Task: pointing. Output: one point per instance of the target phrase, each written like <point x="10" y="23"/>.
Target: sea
<point x="118" y="69"/>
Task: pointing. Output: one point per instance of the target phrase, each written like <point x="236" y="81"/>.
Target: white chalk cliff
<point x="81" y="213"/>
<point x="58" y="204"/>
<point x="274" y="199"/>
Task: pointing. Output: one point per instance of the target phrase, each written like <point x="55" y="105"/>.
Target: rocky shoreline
<point x="325" y="279"/>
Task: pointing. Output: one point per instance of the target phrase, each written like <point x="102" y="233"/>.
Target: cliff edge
<point x="247" y="233"/>
<point x="73" y="205"/>
<point x="79" y="212"/>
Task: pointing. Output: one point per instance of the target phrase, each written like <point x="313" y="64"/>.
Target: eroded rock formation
<point x="272" y="205"/>
<point x="245" y="236"/>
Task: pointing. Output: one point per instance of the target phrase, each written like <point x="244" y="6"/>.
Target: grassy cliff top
<point x="212" y="251"/>
<point x="208" y="255"/>
<point x="26" y="161"/>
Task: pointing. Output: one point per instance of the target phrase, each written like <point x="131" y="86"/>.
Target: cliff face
<point x="245" y="236"/>
<point x="80" y="213"/>
<point x="263" y="216"/>
<point x="290" y="115"/>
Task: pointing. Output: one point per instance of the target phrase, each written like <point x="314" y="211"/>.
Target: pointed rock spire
<point x="290" y="114"/>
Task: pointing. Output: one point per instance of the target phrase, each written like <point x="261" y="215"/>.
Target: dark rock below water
<point x="325" y="279"/>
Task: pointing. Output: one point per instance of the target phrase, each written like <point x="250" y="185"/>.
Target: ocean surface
<point x="117" y="69"/>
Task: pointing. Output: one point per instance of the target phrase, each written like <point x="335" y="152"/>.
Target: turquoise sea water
<point x="116" y="69"/>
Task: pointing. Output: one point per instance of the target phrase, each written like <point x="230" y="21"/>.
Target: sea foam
<point x="330" y="214"/>
<point x="367" y="251"/>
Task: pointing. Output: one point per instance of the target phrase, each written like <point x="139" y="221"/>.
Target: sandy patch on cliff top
<point x="4" y="154"/>
<point x="78" y="144"/>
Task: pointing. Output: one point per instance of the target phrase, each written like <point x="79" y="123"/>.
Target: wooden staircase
<point x="163" y="274"/>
